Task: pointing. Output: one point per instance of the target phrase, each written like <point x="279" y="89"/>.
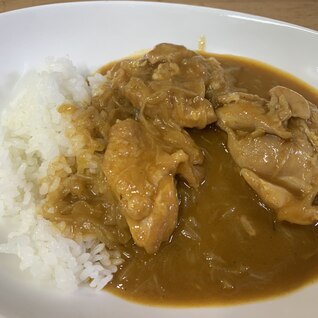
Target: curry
<point x="221" y="240"/>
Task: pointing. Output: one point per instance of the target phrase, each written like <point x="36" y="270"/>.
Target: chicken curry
<point x="203" y="171"/>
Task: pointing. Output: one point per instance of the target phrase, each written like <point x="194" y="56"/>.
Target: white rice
<point x="32" y="135"/>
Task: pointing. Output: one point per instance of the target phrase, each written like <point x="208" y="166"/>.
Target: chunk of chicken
<point x="251" y="114"/>
<point x="140" y="163"/>
<point x="172" y="84"/>
<point x="275" y="144"/>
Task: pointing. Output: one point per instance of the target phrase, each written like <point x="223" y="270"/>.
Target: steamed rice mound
<point x="33" y="136"/>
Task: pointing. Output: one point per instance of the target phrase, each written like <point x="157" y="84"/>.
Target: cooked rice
<point x="32" y="135"/>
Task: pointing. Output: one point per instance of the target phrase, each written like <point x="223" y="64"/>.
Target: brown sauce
<point x="228" y="247"/>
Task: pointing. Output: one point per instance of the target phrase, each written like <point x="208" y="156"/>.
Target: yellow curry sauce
<point x="228" y="246"/>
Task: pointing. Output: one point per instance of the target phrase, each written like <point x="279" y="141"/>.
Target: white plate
<point x="96" y="32"/>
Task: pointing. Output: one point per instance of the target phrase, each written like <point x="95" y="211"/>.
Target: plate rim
<point x="124" y="3"/>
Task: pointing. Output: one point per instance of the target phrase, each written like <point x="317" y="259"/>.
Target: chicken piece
<point x="172" y="84"/>
<point x="274" y="196"/>
<point x="207" y="67"/>
<point x="174" y="105"/>
<point x="140" y="164"/>
<point x="287" y="205"/>
<point x="275" y="144"/>
<point x="251" y="114"/>
<point x="172" y="139"/>
<point x="295" y="104"/>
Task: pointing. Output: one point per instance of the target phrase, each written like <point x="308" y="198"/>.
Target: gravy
<point x="228" y="247"/>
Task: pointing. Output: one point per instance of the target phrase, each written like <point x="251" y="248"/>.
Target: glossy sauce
<point x="228" y="247"/>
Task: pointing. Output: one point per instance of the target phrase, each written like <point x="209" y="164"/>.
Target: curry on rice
<point x="202" y="170"/>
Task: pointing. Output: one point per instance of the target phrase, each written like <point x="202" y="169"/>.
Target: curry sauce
<point x="228" y="247"/>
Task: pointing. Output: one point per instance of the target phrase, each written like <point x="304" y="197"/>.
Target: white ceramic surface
<point x="93" y="33"/>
